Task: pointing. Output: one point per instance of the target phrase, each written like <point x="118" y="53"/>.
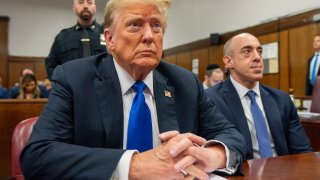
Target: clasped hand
<point x="180" y="156"/>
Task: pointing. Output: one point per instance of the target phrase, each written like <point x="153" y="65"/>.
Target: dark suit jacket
<point x="288" y="134"/>
<point x="309" y="86"/>
<point x="80" y="132"/>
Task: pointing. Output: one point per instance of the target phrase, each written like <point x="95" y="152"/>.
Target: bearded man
<point x="81" y="40"/>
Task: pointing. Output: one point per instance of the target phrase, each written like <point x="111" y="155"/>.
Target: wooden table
<point x="312" y="128"/>
<point x="293" y="167"/>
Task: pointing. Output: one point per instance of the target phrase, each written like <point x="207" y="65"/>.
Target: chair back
<point x="20" y="137"/>
<point x="315" y="104"/>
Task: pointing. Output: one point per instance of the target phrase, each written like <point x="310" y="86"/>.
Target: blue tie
<point x="261" y="127"/>
<point x="139" y="135"/>
<point x="314" y="69"/>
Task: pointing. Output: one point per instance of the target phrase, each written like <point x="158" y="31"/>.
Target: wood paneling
<point x="202" y="55"/>
<point x="280" y="24"/>
<point x="268" y="38"/>
<point x="270" y="80"/>
<point x="298" y="20"/>
<point x="300" y="49"/>
<point x="284" y="61"/>
<point x="184" y="60"/>
<point x="258" y="30"/>
<point x="171" y="59"/>
<point x="11" y="113"/>
<point x="216" y="55"/>
<point x="17" y="64"/>
<point x="4" y="24"/>
<point x="203" y="43"/>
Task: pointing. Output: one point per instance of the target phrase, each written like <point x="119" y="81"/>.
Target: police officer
<point x="83" y="39"/>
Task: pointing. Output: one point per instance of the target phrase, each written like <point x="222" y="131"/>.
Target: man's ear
<point x="228" y="61"/>
<point x="108" y="36"/>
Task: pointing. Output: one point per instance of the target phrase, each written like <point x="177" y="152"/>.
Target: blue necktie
<point x="314" y="69"/>
<point x="261" y="127"/>
<point x="139" y="135"/>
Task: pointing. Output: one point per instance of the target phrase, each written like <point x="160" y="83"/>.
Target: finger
<point x="199" y="153"/>
<point x="196" y="139"/>
<point x="184" y="162"/>
<point x="189" y="177"/>
<point x="196" y="172"/>
<point x="180" y="175"/>
<point x="181" y="146"/>
<point x="168" y="135"/>
<point x="175" y="134"/>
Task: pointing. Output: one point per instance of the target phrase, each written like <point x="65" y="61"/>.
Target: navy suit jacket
<point x="80" y="132"/>
<point x="288" y="134"/>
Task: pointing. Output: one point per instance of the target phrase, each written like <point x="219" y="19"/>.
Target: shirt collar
<point x="126" y="81"/>
<point x="242" y="90"/>
<point x="79" y="26"/>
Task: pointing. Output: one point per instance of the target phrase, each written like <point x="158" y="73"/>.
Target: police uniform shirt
<point x="67" y="45"/>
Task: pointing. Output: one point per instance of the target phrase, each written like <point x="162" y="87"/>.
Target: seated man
<point x="213" y="76"/>
<point x="127" y="115"/>
<point x="265" y="116"/>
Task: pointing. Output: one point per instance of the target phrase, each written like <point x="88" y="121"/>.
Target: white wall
<point x="34" y="23"/>
<point x="191" y="20"/>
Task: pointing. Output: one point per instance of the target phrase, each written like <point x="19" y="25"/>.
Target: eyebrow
<point x="251" y="47"/>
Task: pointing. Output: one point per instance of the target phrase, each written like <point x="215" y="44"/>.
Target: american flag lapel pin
<point x="167" y="93"/>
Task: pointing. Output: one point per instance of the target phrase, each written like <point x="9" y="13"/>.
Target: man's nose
<point x="147" y="34"/>
<point x="257" y="55"/>
<point x="85" y="4"/>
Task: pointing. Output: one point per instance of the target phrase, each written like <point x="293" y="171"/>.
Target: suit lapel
<point x="109" y="97"/>
<point x="165" y="103"/>
<point x="274" y="119"/>
<point x="232" y="99"/>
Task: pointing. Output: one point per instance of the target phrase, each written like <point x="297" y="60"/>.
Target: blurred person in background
<point x="213" y="76"/>
<point x="313" y="66"/>
<point x="28" y="88"/>
<point x="15" y="90"/>
<point x="4" y="94"/>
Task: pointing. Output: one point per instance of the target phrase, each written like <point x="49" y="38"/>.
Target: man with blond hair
<point x="127" y="114"/>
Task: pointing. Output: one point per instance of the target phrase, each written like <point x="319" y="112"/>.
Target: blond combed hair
<point x="113" y="6"/>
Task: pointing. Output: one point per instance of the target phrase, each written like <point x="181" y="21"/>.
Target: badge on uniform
<point x="167" y="93"/>
<point x="102" y="40"/>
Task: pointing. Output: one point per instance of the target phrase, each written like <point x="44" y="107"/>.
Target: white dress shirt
<point x="128" y="93"/>
<point x="245" y="101"/>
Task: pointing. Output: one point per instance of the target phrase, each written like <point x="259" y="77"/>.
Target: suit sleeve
<point x="214" y="126"/>
<point x="51" y="152"/>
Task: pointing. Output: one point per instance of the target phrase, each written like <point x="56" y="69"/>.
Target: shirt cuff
<point x="122" y="169"/>
<point x="230" y="168"/>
